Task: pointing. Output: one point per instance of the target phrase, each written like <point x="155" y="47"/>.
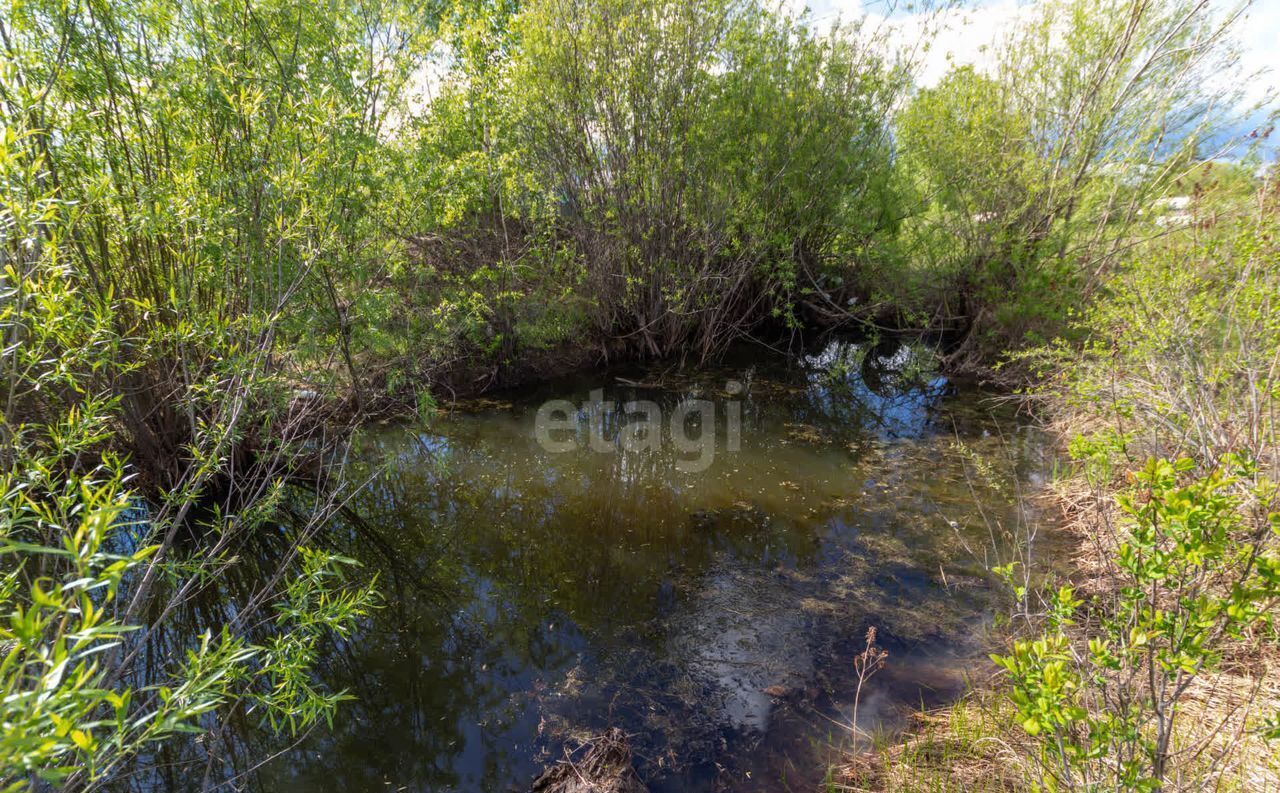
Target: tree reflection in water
<point x="531" y="596"/>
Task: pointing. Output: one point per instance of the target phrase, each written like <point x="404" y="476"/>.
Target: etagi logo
<point x="689" y="429"/>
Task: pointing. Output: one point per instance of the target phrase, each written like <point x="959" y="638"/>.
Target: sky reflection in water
<point x="534" y="597"/>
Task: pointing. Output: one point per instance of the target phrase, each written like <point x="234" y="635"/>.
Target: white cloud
<point x="1259" y="34"/>
<point x="958" y="37"/>
<point x="964" y="36"/>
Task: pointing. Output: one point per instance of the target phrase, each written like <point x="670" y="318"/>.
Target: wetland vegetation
<point x="636" y="394"/>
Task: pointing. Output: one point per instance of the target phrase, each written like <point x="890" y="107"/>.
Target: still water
<point x="709" y="608"/>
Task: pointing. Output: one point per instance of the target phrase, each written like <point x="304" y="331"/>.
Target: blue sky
<point x="979" y="23"/>
<point x="963" y="37"/>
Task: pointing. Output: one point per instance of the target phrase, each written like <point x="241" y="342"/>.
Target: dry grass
<point x="976" y="744"/>
<point x="599" y="764"/>
<point x="964" y="747"/>
<point x="1219" y="747"/>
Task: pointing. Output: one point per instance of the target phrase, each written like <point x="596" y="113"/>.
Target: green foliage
<point x="147" y="244"/>
<point x="1196" y="567"/>
<point x="1176" y="363"/>
<point x="318" y="603"/>
<point x="971" y="145"/>
<point x="687" y="169"/>
<point x="1029" y="178"/>
<point x="1179" y="348"/>
<point x="223" y="164"/>
<point x="67" y="715"/>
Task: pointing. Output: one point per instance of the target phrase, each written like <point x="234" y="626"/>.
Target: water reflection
<point x="533" y="596"/>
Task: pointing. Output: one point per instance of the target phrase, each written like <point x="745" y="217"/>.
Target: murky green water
<point x="536" y="597"/>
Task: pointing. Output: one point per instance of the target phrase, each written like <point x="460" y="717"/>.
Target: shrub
<point x="1032" y="176"/>
<point x="1105" y="685"/>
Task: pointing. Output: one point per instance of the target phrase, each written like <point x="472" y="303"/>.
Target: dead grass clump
<point x="1219" y="744"/>
<point x="601" y="764"/>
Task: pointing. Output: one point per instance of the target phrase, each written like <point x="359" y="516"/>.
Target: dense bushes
<point x="177" y="181"/>
<point x="689" y="172"/>
<point x="690" y="169"/>
<point x="1180" y="350"/>
<point x="217" y="219"/>
<point x="215" y="167"/>
<point x="704" y="157"/>
<point x="1147" y="662"/>
<point x="632" y="177"/>
<point x="1030" y="178"/>
<point x="81" y="696"/>
<point x="1151" y="670"/>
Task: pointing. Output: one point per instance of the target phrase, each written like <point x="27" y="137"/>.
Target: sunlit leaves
<point x="1190" y="578"/>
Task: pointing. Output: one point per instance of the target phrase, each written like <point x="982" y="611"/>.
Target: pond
<point x="694" y="558"/>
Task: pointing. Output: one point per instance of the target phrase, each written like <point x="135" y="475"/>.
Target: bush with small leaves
<point x="1103" y="685"/>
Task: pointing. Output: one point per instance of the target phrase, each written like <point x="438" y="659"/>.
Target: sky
<point x="980" y="23"/>
<point x="964" y="34"/>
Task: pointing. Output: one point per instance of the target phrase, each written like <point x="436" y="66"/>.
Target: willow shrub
<point x="685" y="170"/>
<point x="71" y="712"/>
<point x="1031" y="175"/>
<point x="180" y="186"/>
<point x="224" y="162"/>
<point x="1178" y="353"/>
<point x="1105" y="687"/>
<point x="1176" y="358"/>
<point x="707" y="156"/>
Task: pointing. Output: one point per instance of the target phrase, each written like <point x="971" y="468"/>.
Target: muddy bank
<point x="479" y="375"/>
